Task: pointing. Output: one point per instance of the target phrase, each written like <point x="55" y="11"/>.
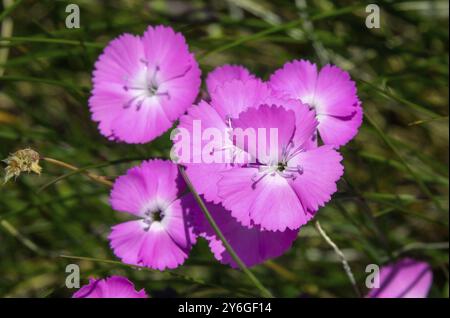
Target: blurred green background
<point x="392" y="202"/>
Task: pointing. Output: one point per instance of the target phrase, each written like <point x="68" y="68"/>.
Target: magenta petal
<point x="236" y="193"/>
<point x="111" y="287"/>
<point x="252" y="245"/>
<point x="192" y="126"/>
<point x="296" y="79"/>
<point x="126" y="240"/>
<point x="270" y="203"/>
<point x="406" y="278"/>
<point x="236" y="96"/>
<point x="339" y="130"/>
<point x="134" y="190"/>
<point x="130" y="192"/>
<point x="335" y="92"/>
<point x="264" y="121"/>
<point x="119" y="60"/>
<point x="205" y="178"/>
<point x="321" y="169"/>
<point x="226" y="73"/>
<point x="136" y="127"/>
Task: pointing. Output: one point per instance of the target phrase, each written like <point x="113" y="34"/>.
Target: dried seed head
<point x="24" y="160"/>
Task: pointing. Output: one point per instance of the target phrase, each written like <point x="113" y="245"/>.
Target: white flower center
<point x="145" y="87"/>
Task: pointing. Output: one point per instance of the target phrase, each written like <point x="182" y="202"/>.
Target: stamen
<point x="177" y="76"/>
<point x="131" y="101"/>
<point x="152" y="216"/>
<point x="144" y="61"/>
<point x="146" y="90"/>
<point x="163" y="94"/>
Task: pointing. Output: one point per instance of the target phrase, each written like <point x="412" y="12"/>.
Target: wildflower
<point x="407" y="278"/>
<point x="281" y="190"/>
<point x="24" y="160"/>
<point x="275" y="193"/>
<point x="160" y="237"/>
<point x="330" y="92"/>
<point x="110" y="287"/>
<point x="141" y="85"/>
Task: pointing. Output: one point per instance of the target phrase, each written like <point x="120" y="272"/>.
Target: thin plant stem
<point x="341" y="255"/>
<point x="92" y="176"/>
<point x="264" y="292"/>
<point x="21" y="238"/>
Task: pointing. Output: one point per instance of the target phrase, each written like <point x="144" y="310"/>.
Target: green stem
<point x="234" y="256"/>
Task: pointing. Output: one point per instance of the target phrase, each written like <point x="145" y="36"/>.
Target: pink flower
<point x="407" y="278"/>
<point x="277" y="193"/>
<point x="330" y="92"/>
<point x="141" y="85"/>
<point x="252" y="245"/>
<point x="284" y="189"/>
<point x="161" y="237"/>
<point x="111" y="287"/>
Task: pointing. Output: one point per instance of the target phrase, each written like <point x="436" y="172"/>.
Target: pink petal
<point x="271" y="202"/>
<point x="198" y="119"/>
<point x="252" y="245"/>
<point x="119" y="60"/>
<point x="225" y="73"/>
<point x="340" y="130"/>
<point x="142" y="184"/>
<point x="406" y="278"/>
<point x="297" y="79"/>
<point x="143" y="125"/>
<point x="321" y="169"/>
<point x="205" y="177"/>
<point x="236" y="96"/>
<point x="335" y="92"/>
<point x="111" y="287"/>
<point x="264" y="121"/>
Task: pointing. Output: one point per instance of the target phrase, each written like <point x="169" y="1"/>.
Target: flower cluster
<point x="290" y="130"/>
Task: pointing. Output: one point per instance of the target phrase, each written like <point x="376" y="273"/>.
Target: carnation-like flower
<point x="110" y="287"/>
<point x="252" y="245"/>
<point x="283" y="189"/>
<point x="278" y="192"/>
<point x="330" y="92"/>
<point x="141" y="85"/>
<point x="160" y="237"/>
<point x="407" y="278"/>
